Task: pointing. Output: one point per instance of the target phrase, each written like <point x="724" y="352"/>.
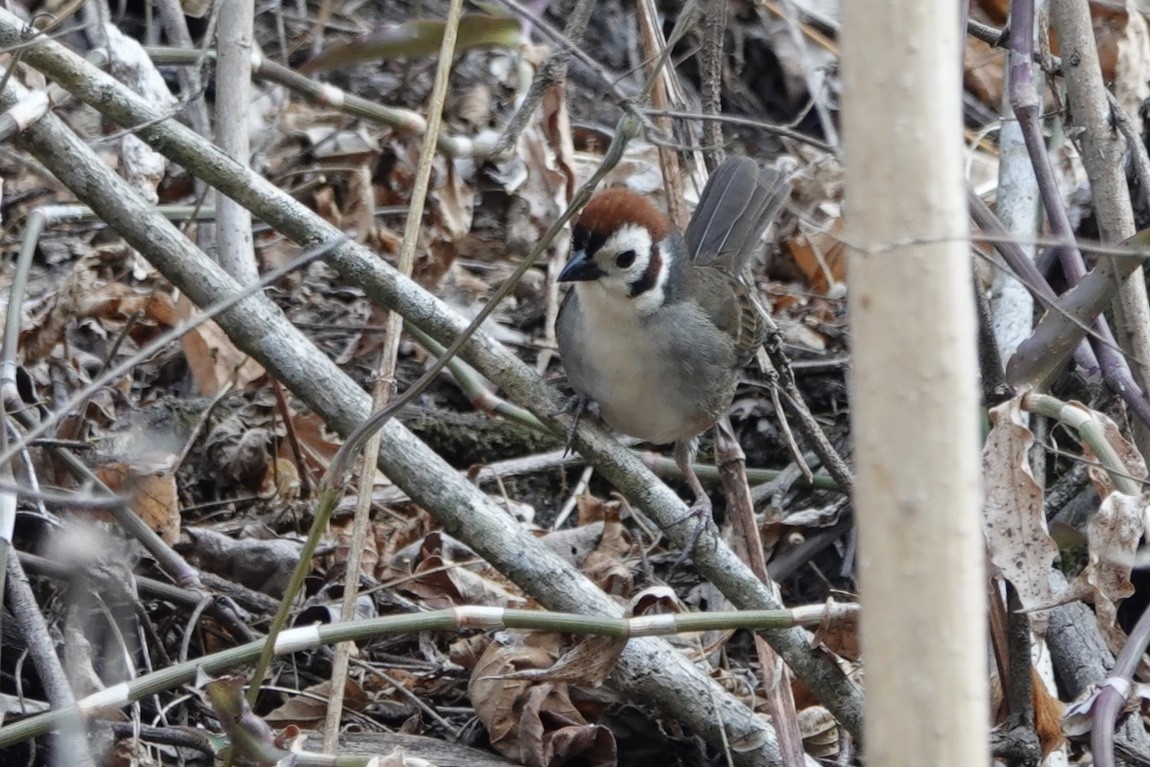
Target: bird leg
<point x="700" y="510"/>
<point x="685" y="452"/>
<point x="577" y="406"/>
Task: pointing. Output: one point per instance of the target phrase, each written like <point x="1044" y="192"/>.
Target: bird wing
<point x="731" y="305"/>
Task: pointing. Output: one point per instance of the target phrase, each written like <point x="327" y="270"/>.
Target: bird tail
<point x="739" y="202"/>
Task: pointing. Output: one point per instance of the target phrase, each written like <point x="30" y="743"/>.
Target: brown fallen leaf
<point x="533" y="723"/>
<point x="309" y="709"/>
<point x="150" y="482"/>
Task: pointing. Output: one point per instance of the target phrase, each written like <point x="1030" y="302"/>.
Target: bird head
<point x="623" y="246"/>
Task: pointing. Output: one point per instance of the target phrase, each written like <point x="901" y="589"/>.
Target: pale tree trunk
<point x="914" y="408"/>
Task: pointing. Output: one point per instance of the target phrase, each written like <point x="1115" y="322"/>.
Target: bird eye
<point x="625" y="259"/>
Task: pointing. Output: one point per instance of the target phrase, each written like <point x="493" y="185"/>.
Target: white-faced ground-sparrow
<point x="658" y="325"/>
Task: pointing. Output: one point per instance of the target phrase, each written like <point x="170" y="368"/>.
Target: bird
<point x="656" y="327"/>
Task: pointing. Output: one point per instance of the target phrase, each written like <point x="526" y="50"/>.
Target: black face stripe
<point x="587" y="241"/>
<point x="649" y="276"/>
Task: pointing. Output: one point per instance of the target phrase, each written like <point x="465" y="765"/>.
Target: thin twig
<point x="552" y="74"/>
<point x="384" y="385"/>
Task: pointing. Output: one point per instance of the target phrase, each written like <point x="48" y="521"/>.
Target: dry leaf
<point x="1132" y="461"/>
<point x="587" y="664"/>
<point x="265" y="566"/>
<point x="574" y="544"/>
<point x="983" y="71"/>
<point x="1048" y="712"/>
<point x="440" y="582"/>
<point x="1018" y="543"/>
<point x="359" y="207"/>
<point x="536" y="724"/>
<point x="235" y="453"/>
<point x="281" y="479"/>
<point x="1112" y="539"/>
<point x="214" y="360"/>
<point x="820" y="256"/>
<point x="142" y="166"/>
<point x="450" y="211"/>
<point x="150" y="481"/>
<point x="308" y="710"/>
<point x="341" y="531"/>
<point x="129" y="752"/>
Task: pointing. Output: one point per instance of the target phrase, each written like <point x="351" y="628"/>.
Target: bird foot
<point x="699" y="514"/>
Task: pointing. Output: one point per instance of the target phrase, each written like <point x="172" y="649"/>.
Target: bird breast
<point x="660" y="377"/>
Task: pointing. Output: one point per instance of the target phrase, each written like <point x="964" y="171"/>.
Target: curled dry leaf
<point x="341" y="529"/>
<point x="150" y="482"/>
<point x="1078" y="719"/>
<point x="473" y="107"/>
<point x="556" y="125"/>
<point x="655" y="600"/>
<point x="325" y="204"/>
<point x="533" y="723"/>
<point x="327" y="607"/>
<point x="79" y="661"/>
<point x="442" y="582"/>
<point x="398" y="757"/>
<point x="359" y="208"/>
<point x="609" y="573"/>
<point x="587" y="664"/>
<point x="815" y="516"/>
<point x="129" y="752"/>
<point x="265" y="566"/>
<point x="396" y="539"/>
<point x="143" y="167"/>
<point x="1132" y="461"/>
<point x="319" y="445"/>
<point x="466" y="651"/>
<point x="281" y="480"/>
<point x="1018" y="543"/>
<point x="451" y="207"/>
<point x="604" y="561"/>
<point x="574" y="544"/>
<point x="1114" y="532"/>
<point x="1113" y="536"/>
<point x="308" y="709"/>
<point x="237" y="454"/>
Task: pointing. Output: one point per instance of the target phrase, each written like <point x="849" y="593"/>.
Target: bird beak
<point x="580" y="268"/>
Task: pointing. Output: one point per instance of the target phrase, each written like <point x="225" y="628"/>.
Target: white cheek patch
<point x="652" y="298"/>
<point x="620" y="282"/>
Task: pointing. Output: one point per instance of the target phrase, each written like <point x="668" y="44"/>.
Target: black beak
<point x="580" y="268"/>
